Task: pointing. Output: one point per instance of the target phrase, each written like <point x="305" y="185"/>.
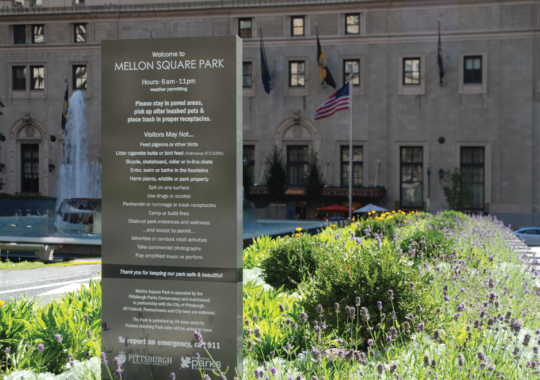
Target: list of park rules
<point x="172" y="205"/>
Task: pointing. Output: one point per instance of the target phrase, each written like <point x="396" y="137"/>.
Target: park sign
<point x="172" y="206"/>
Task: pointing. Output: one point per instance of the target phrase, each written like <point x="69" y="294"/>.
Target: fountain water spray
<point x="78" y="179"/>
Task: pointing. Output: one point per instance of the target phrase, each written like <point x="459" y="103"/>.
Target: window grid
<point x="30" y="168"/>
<point x="352" y="23"/>
<point x="80" y="77"/>
<point x="80" y="32"/>
<point x="411" y="181"/>
<point x="473" y="163"/>
<point x="358" y="169"/>
<point x="19" y="34"/>
<point x="38" y="34"/>
<point x="297" y="165"/>
<point x="411" y="71"/>
<point x="297" y="74"/>
<point x="472" y="69"/>
<point x="19" y="78"/>
<point x="246" y="75"/>
<point x="351" y="69"/>
<point x="297" y="26"/>
<point x="245" y="27"/>
<point x="37" y="81"/>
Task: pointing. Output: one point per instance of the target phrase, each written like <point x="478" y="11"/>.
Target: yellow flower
<point x="335" y="225"/>
<point x="299" y="229"/>
<point x="297" y="235"/>
<point x="393" y="212"/>
<point x="2" y="303"/>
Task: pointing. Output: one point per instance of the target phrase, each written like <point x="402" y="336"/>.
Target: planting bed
<point x="397" y="296"/>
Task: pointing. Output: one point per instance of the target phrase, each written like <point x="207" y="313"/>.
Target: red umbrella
<point x="337" y="208"/>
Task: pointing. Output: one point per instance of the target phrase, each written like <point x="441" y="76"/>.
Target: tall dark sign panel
<point x="172" y="205"/>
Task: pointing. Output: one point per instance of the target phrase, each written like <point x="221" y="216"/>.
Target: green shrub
<point x="257" y="251"/>
<point x="367" y="270"/>
<point x="428" y="242"/>
<point x="25" y="322"/>
<point x="369" y="226"/>
<point x="265" y="306"/>
<point x="451" y="219"/>
<point x="290" y="258"/>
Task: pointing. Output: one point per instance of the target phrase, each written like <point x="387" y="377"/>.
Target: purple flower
<point x="340" y="341"/>
<point x="198" y="355"/>
<point x="104" y="327"/>
<point x="7" y="350"/>
<point x="420" y="327"/>
<point x="198" y="336"/>
<point x="273" y="371"/>
<point x="104" y="360"/>
<point x="323" y="326"/>
<point x="40" y="347"/>
<point x="85" y="317"/>
<point x="58" y="338"/>
<point x="173" y="376"/>
<point x="379" y="305"/>
<point x="117" y="362"/>
<point x="255" y="318"/>
<point x="456" y="316"/>
<point x="370" y="342"/>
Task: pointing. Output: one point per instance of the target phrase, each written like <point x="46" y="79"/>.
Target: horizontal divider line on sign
<point x="151" y="272"/>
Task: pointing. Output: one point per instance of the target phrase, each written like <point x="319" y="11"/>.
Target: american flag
<point x="338" y="101"/>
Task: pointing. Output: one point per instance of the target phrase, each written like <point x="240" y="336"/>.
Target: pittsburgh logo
<point x="205" y="364"/>
<point x="185" y="362"/>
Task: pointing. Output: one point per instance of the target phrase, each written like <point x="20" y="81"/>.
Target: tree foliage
<point x="314" y="180"/>
<point x="275" y="176"/>
<point x="247" y="178"/>
<point x="458" y="189"/>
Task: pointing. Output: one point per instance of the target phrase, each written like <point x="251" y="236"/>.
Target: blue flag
<point x="265" y="72"/>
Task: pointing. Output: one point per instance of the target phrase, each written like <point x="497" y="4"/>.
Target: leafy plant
<point x="426" y="243"/>
<point x="368" y="227"/>
<point x="275" y="176"/>
<point x="291" y="258"/>
<point x="257" y="251"/>
<point x="368" y="271"/>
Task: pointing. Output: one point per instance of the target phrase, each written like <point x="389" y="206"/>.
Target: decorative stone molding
<point x="27" y="130"/>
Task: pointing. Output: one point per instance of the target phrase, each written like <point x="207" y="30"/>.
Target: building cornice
<point x="224" y="8"/>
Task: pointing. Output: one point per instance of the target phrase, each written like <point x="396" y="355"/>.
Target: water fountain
<point x="79" y="183"/>
<point x="74" y="227"/>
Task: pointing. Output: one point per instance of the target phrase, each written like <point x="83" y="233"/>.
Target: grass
<point x="9" y="265"/>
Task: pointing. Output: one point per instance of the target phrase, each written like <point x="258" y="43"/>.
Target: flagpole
<point x="350" y="149"/>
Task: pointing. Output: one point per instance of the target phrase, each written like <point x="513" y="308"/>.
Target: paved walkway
<point x="48" y="282"/>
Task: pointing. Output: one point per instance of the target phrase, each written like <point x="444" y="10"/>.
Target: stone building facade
<point x="486" y="111"/>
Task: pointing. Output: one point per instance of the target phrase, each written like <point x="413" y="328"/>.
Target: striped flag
<point x="339" y="100"/>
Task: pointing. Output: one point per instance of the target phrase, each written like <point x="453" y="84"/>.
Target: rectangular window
<point x="37" y="3"/>
<point x="249" y="161"/>
<point x="244" y="28"/>
<point x="472" y="165"/>
<point x="80" y="33"/>
<point x="78" y="2"/>
<point x="297" y="165"/>
<point x="472" y="70"/>
<point x="37" y="80"/>
<point x="297" y="74"/>
<point x="411" y="177"/>
<point x="38" y="34"/>
<point x="351" y="70"/>
<point x="79" y="77"/>
<point x="18" y="3"/>
<point x="246" y="74"/>
<point x="352" y="23"/>
<point x="411" y="71"/>
<point x="19" y="78"/>
<point x="297" y="26"/>
<point x="19" y="34"/>
<point x="358" y="170"/>
<point x="29" y="168"/>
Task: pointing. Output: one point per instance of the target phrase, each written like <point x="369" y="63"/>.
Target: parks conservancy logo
<point x="205" y="364"/>
<point x="185" y="362"/>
